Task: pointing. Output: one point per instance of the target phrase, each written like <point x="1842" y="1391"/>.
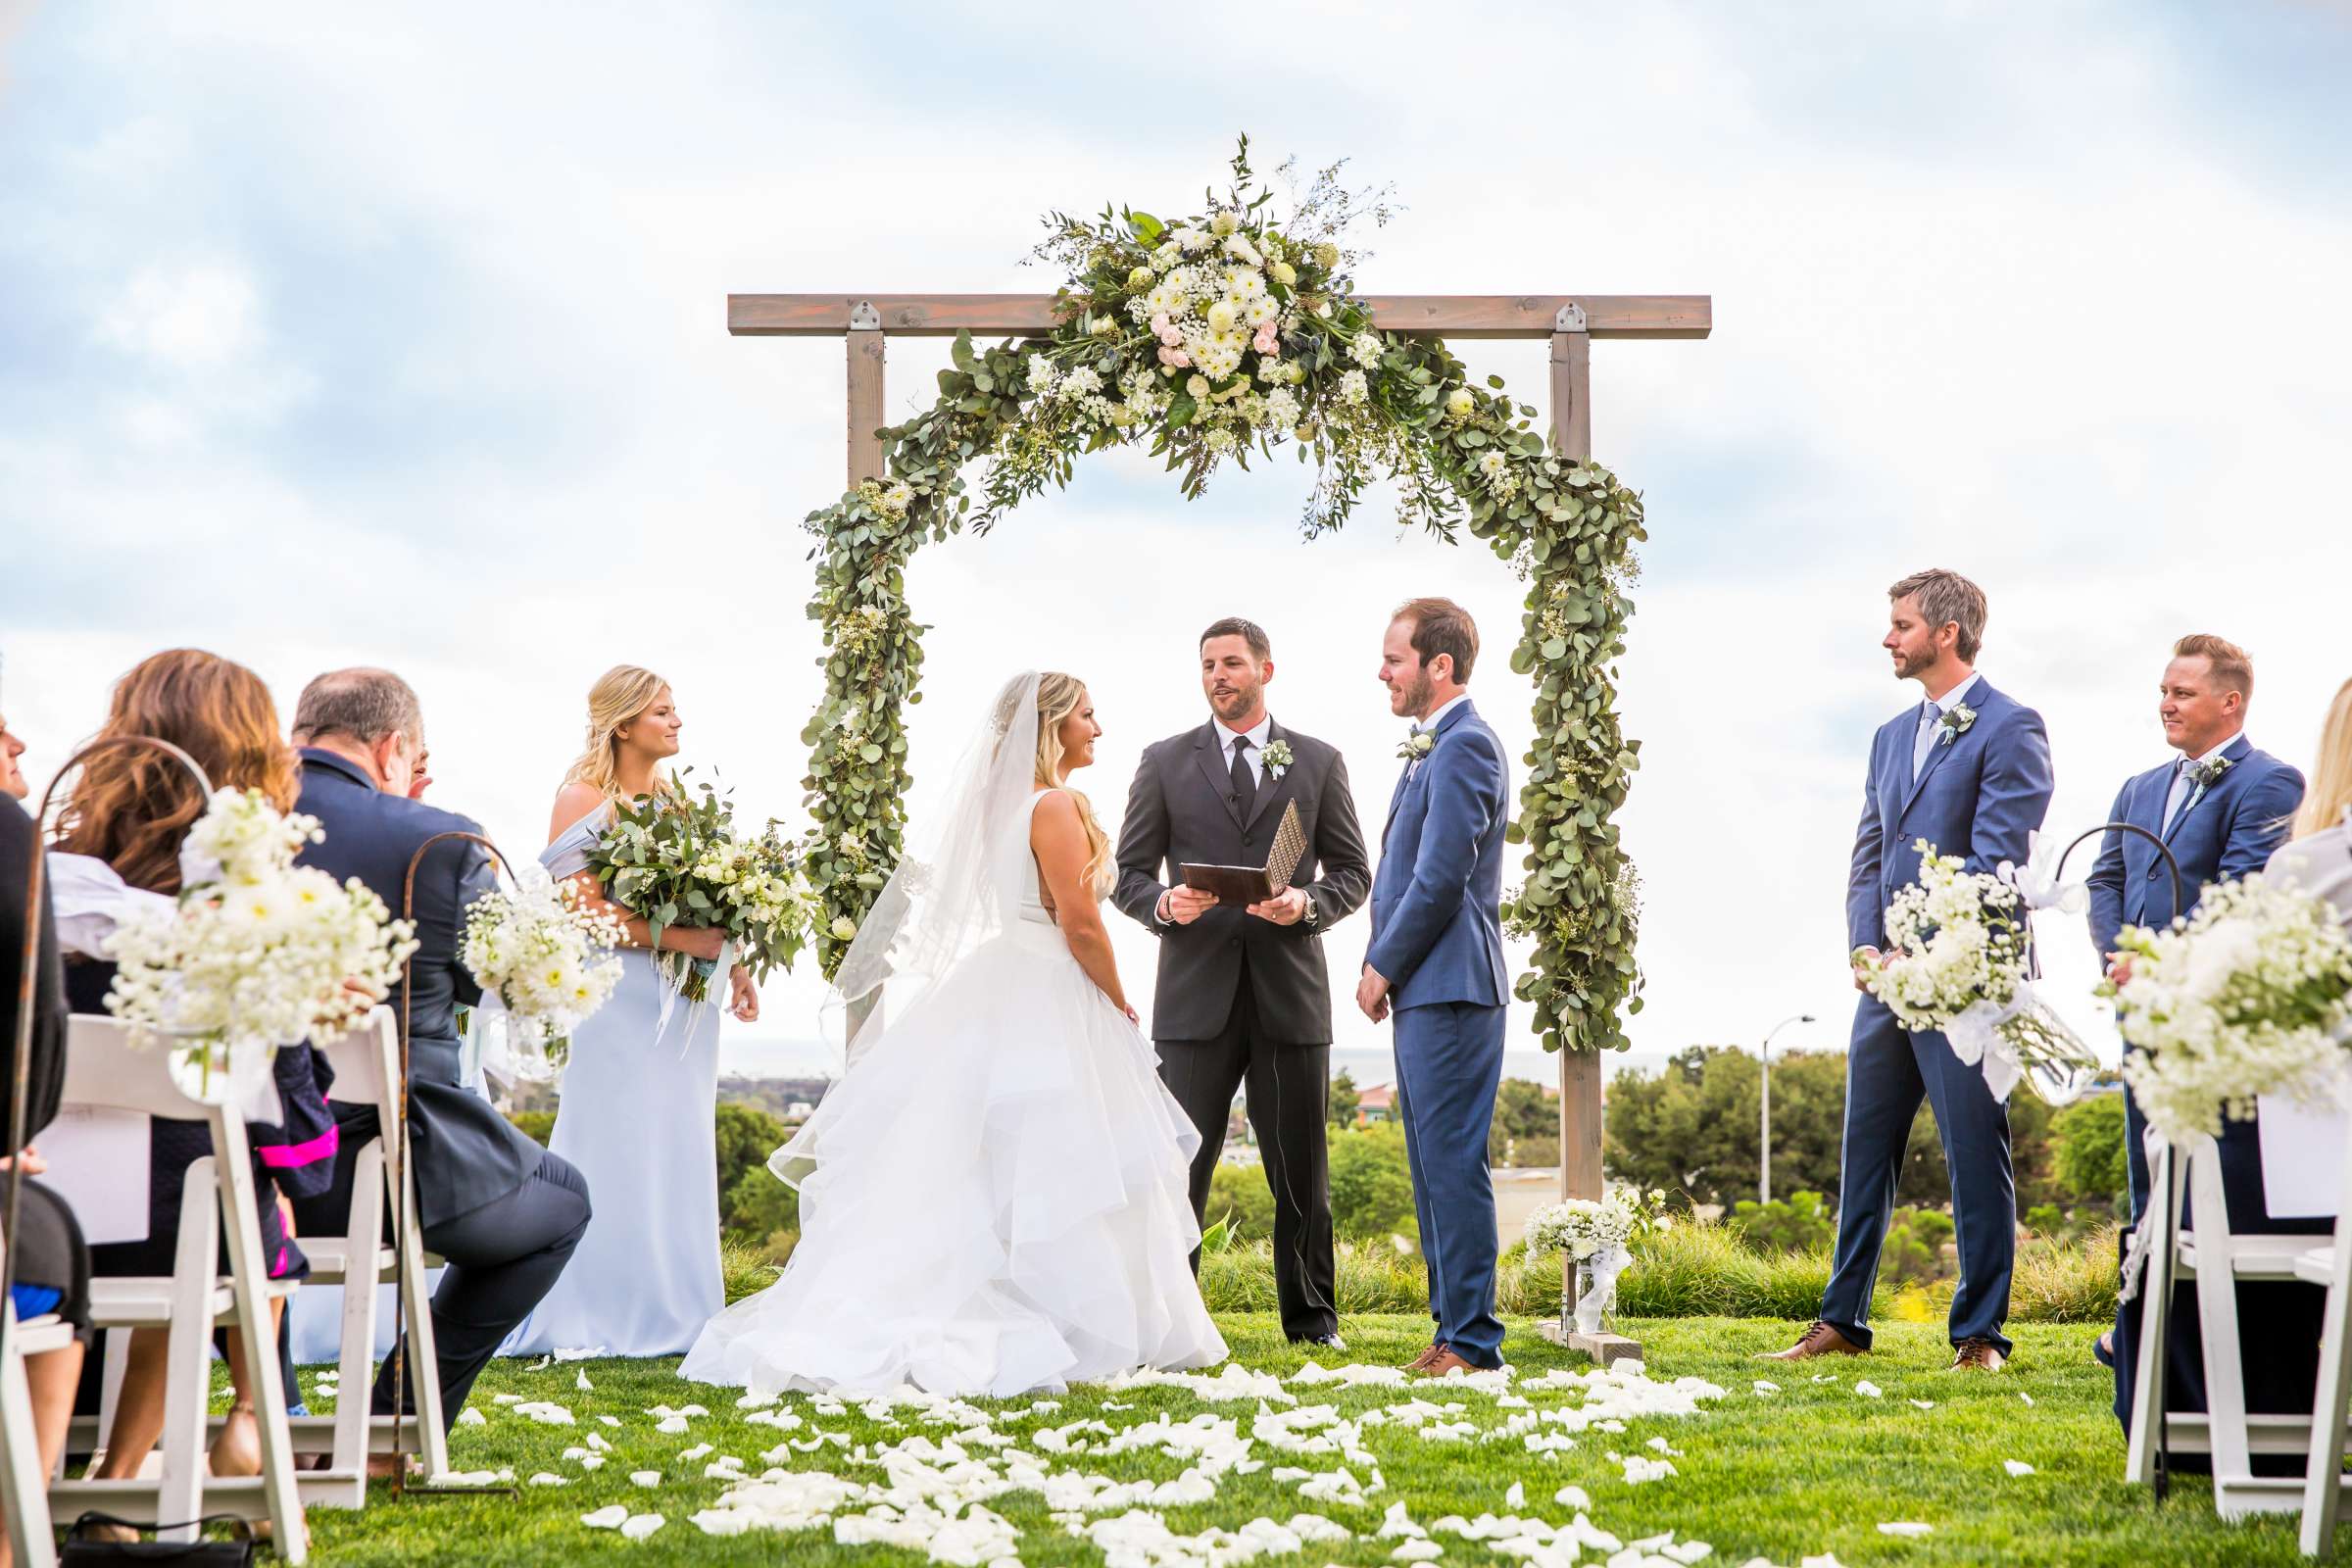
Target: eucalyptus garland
<point x="1210" y="339"/>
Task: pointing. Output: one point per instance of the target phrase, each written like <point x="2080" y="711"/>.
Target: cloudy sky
<point x="396" y="335"/>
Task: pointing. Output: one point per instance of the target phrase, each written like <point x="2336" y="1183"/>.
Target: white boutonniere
<point x="1277" y="757"/>
<point x="2209" y="772"/>
<point x="1956" y="721"/>
<point x="1416" y="745"/>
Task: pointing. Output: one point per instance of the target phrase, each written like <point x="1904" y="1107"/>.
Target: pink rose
<point x="1266" y="342"/>
<point x="1175" y="359"/>
<point x="1171" y="337"/>
<point x="1160" y="322"/>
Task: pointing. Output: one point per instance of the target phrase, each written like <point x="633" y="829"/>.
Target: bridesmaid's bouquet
<point x="257" y="953"/>
<point x="2249" y="996"/>
<point x="547" y="955"/>
<point x="677" y="860"/>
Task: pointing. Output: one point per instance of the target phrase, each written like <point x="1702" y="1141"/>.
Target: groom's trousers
<point x="1888" y="1070"/>
<point x="1448" y="1066"/>
<point x="501" y="1259"/>
<point x="1289" y="1088"/>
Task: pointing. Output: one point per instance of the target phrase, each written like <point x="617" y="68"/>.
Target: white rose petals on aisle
<point x="1906" y="1527"/>
<point x="547" y="955"/>
<point x="258" y="953"/>
<point x="2017" y="1468"/>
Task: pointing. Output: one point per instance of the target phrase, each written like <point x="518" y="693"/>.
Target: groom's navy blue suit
<point x="2216" y="836"/>
<point x="1980" y="794"/>
<point x="1437" y="939"/>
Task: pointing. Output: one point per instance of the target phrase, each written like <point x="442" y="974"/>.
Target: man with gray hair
<point x="505" y="1213"/>
<point x="1966" y="772"/>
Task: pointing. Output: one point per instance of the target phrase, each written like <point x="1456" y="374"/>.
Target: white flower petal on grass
<point x="1417" y="1551"/>
<point x="1516" y="1498"/>
<point x="583" y="1384"/>
<point x="547" y="1415"/>
<point x="638" y="1525"/>
<point x="505" y="1399"/>
<point x="721" y="1521"/>
<point x="1825" y="1377"/>
<point x="1763" y="1387"/>
<point x="753" y="1401"/>
<point x="597" y="1443"/>
<point x="609" y="1420"/>
<point x="1868" y="1390"/>
<point x="2028" y="1398"/>
<point x="1573" y="1497"/>
<point x="2017" y="1467"/>
<point x="539" y="1365"/>
<point x="672" y="1425"/>
<point x="1909" y="1529"/>
<point x="646" y="1478"/>
<point x="697" y="1451"/>
<point x="543" y="1478"/>
<point x="1923" y="1405"/>
<point x="471" y="1417"/>
<point x="595" y="1461"/>
<point x="606" y="1518"/>
<point x="1690" y="1552"/>
<point x="570" y="1356"/>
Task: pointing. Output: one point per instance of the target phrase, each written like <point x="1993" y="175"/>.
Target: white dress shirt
<point x="1256" y="735"/>
<point x="2183" y="783"/>
<point x="1930" y="721"/>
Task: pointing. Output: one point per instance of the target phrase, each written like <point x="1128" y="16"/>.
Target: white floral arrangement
<point x="257" y="953"/>
<point x="2249" y="996"/>
<point x="1584" y="1227"/>
<point x="1958" y="959"/>
<point x="546" y="952"/>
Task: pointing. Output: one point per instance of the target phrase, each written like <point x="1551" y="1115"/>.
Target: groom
<point x="1243" y="994"/>
<point x="1967" y="770"/>
<point x="1435" y="961"/>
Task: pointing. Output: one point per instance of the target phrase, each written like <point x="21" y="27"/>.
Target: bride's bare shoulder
<point x="574" y="801"/>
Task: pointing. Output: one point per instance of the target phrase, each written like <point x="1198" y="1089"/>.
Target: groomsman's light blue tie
<point x="1930" y="717"/>
<point x="2178" y="795"/>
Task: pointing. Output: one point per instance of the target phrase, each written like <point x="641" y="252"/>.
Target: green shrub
<point x="1798" y="1223"/>
<point x="1535" y="1153"/>
<point x="1238" y="1193"/>
<point x="1371" y="1184"/>
<point x="746" y="1270"/>
<point x="2066" y="1282"/>
<point x="1914" y="1248"/>
<point x="2087" y="1151"/>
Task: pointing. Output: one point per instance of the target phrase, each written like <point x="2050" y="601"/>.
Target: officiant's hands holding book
<point x="1182" y="906"/>
<point x="1287" y="907"/>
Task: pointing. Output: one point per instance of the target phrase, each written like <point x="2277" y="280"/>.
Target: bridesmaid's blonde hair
<point x="2331" y="789"/>
<point x="619" y="695"/>
<point x="1057" y="698"/>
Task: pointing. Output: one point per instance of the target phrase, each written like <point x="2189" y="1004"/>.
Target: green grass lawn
<point x="1813" y="1469"/>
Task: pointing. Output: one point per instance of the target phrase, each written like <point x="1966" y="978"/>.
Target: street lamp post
<point x="1764" y="1132"/>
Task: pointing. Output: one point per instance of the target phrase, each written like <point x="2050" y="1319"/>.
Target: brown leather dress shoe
<point x="1443" y="1362"/>
<point x="1977" y="1355"/>
<point x="1819" y="1339"/>
<point x="1420" y="1364"/>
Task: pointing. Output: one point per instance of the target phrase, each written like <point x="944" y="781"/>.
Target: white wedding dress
<point x="993" y="1199"/>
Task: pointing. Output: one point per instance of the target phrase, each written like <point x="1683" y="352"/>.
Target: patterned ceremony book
<point x="1243" y="885"/>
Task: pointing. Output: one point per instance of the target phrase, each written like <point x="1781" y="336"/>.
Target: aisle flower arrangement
<point x="2249" y="996"/>
<point x="545" y="951"/>
<point x="1598" y="1234"/>
<point x="257" y="952"/>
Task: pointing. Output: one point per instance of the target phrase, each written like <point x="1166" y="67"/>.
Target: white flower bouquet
<point x="546" y="953"/>
<point x="257" y="953"/>
<point x="1958" y="959"/>
<point x="1599" y="1234"/>
<point x="2249" y="996"/>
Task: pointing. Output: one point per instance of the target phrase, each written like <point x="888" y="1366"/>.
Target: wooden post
<point x="1580" y="1070"/>
<point x="865" y="396"/>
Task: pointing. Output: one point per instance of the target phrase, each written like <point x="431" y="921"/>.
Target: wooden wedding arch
<point x="1571" y="321"/>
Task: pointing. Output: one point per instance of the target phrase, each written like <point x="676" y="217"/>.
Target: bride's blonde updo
<point x="1057" y="698"/>
<point x="619" y="695"/>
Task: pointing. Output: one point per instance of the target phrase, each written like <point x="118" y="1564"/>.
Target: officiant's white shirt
<point x="1229" y="738"/>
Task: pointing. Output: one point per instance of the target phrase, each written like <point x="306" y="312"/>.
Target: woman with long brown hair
<point x="126" y="817"/>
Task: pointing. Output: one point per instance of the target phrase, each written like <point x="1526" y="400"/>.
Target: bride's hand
<point x="745" y="1003"/>
<point x="1133" y="1016"/>
<point x="694" y="940"/>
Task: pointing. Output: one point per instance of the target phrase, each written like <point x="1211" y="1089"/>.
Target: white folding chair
<point x="367" y="1064"/>
<point x="24" y="1489"/>
<point x="2216" y="1258"/>
<point x="2329" y="1265"/>
<point x="104" y="1071"/>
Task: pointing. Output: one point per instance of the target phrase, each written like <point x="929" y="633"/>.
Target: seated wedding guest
<point x="52" y="1265"/>
<point x="2280" y="1322"/>
<point x="118" y="848"/>
<point x="505" y="1213"/>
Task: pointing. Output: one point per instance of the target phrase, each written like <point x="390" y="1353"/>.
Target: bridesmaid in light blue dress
<point x="640" y="1095"/>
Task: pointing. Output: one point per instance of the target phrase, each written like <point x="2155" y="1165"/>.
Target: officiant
<point x="1243" y="995"/>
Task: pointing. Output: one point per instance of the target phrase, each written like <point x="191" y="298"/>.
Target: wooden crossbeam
<point x="1453" y="316"/>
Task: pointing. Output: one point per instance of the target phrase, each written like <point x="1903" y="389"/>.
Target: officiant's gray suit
<point x="1241" y="1000"/>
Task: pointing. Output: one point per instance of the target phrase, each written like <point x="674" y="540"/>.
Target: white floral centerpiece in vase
<point x="257" y="952"/>
<point x="1959" y="959"/>
<point x="1599" y="1235"/>
<point x="546" y="952"/>
<point x="2249" y="996"/>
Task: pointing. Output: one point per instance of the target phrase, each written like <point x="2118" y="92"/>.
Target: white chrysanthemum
<point x="1221" y="316"/>
<point x="1193" y="240"/>
<point x="1040" y="375"/>
<point x="1167" y="298"/>
<point x="1368" y="349"/>
<point x="1353" y="388"/>
<point x="1237" y="247"/>
<point x="1491" y="463"/>
<point x="1260" y="310"/>
<point x="1223" y="222"/>
<point x="898" y="497"/>
<point x="1460" y="403"/>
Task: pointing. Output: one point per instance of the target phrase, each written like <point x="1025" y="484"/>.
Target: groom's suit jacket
<point x="1437" y="928"/>
<point x="2218" y="836"/>
<point x="1181" y="807"/>
<point x="1980" y="795"/>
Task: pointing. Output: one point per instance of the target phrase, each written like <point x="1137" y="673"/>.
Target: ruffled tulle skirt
<point x="994" y="1203"/>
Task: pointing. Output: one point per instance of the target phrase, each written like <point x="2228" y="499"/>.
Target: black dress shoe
<point x="1327" y="1341"/>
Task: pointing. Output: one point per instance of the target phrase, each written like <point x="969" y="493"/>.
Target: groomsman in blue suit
<point x="1967" y="770"/>
<point x="1435" y="962"/>
<point x="2220" y="806"/>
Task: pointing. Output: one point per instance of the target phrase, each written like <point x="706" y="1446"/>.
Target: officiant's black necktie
<point x="1245" y="785"/>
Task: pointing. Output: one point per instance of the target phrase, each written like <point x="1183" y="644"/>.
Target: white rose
<point x="844" y="929"/>
<point x="1223" y="222"/>
<point x="1196" y="386"/>
<point x="1459" y="403"/>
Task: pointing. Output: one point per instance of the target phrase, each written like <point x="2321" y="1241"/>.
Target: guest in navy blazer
<point x="505" y="1213"/>
<point x="2220" y="806"/>
<point x="1968" y="773"/>
<point x="1436" y="961"/>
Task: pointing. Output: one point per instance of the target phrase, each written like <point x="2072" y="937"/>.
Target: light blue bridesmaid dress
<point x="636" y="1119"/>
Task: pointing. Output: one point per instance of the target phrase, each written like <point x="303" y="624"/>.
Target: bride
<point x="993" y="1199"/>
